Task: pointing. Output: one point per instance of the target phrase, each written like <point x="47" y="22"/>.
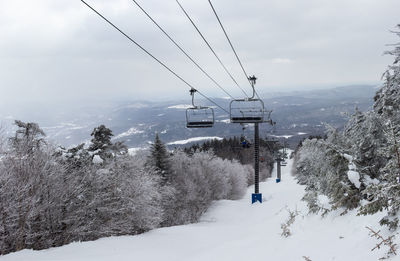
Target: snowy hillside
<point x="237" y="230"/>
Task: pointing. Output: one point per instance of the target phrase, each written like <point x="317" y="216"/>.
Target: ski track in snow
<point x="238" y="231"/>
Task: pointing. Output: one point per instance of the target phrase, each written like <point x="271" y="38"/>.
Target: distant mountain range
<point x="297" y="115"/>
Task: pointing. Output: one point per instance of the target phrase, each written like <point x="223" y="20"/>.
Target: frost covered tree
<point x="123" y="199"/>
<point x="385" y="194"/>
<point x="370" y="144"/>
<point x="102" y="146"/>
<point x="363" y="137"/>
<point x="158" y="161"/>
<point x="3" y="139"/>
<point x="201" y="178"/>
<point x="30" y="192"/>
<point x="50" y="197"/>
<point x="28" y="137"/>
<point x="344" y="164"/>
<point x="139" y="196"/>
<point x="101" y="138"/>
<point x="323" y="169"/>
<point x="53" y="196"/>
<point x="75" y="157"/>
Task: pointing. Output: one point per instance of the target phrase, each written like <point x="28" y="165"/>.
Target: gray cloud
<point x="60" y="50"/>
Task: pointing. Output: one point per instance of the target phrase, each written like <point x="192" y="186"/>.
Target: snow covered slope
<point x="237" y="230"/>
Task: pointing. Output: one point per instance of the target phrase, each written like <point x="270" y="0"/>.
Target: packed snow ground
<point x="238" y="230"/>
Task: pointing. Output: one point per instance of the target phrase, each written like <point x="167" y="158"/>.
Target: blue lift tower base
<point x="256" y="197"/>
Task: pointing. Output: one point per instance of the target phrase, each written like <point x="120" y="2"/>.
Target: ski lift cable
<point x="212" y="50"/>
<point x="233" y="49"/>
<point x="152" y="56"/>
<point x="182" y="50"/>
<point x="213" y="102"/>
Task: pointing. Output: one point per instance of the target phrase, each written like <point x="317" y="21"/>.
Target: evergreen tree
<point x="101" y="140"/>
<point x="385" y="194"/>
<point x="323" y="169"/>
<point x="101" y="143"/>
<point x="28" y="137"/>
<point x="368" y="149"/>
<point x="159" y="158"/>
<point x="75" y="157"/>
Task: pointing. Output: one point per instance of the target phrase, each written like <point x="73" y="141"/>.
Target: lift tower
<point x="251" y="110"/>
<point x="257" y="196"/>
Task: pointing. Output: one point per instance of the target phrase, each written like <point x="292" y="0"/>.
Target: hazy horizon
<point x="81" y="102"/>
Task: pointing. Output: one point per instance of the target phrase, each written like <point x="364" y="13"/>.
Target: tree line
<point x="241" y="150"/>
<point x="51" y="196"/>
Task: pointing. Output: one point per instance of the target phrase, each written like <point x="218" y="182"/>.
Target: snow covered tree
<point x="102" y="146"/>
<point x="138" y="197"/>
<point x="363" y="137"/>
<point x="370" y="144"/>
<point x="75" y="157"/>
<point x="324" y="170"/>
<point x="159" y="158"/>
<point x="30" y="192"/>
<point x="385" y="194"/>
<point x="387" y="99"/>
<point x="121" y="198"/>
<point x="28" y="137"/>
<point x="201" y="178"/>
<point x="101" y="138"/>
<point x="159" y="161"/>
<point x="364" y="160"/>
<point x="3" y="139"/>
<point x="50" y="197"/>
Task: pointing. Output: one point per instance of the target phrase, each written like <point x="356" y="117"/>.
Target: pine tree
<point x="370" y="144"/>
<point x="101" y="143"/>
<point x="363" y="137"/>
<point x="385" y="194"/>
<point x="159" y="158"/>
<point x="323" y="169"/>
<point x="101" y="140"/>
<point x="28" y="138"/>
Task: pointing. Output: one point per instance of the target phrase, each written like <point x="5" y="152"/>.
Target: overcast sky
<point x="59" y="50"/>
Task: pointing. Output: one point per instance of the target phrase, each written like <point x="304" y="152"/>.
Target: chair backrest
<point x="247" y="111"/>
<point x="199" y="117"/>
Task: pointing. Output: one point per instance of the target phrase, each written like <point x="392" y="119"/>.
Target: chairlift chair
<point x="199" y="116"/>
<point x="250" y="110"/>
<point x="247" y="111"/>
